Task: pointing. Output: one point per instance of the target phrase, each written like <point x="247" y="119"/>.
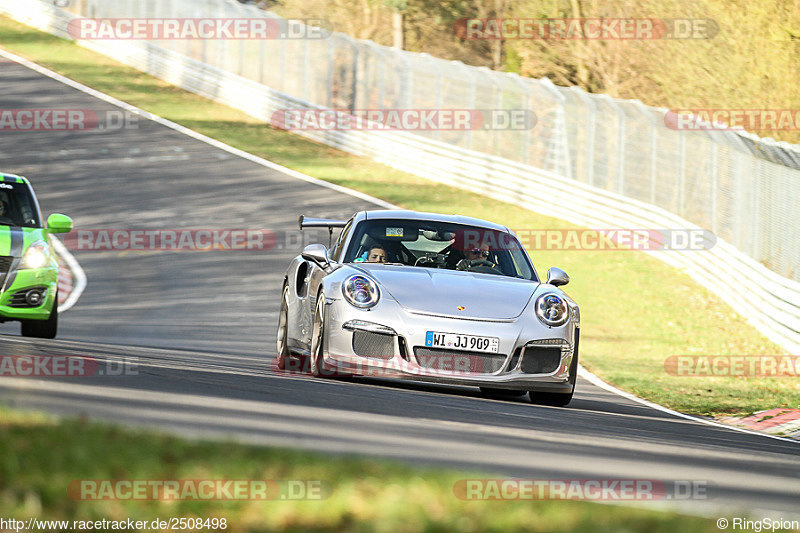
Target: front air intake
<point x="373" y="345"/>
<point x="459" y="362"/>
<point x="541" y="359"/>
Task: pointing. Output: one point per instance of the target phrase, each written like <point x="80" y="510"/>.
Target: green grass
<point x="39" y="457"/>
<point x="636" y="311"/>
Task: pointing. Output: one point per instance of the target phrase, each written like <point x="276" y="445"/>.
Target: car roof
<point x="434" y="217"/>
<point x="5" y="176"/>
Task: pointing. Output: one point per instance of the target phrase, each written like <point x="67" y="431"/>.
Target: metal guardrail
<point x="628" y="188"/>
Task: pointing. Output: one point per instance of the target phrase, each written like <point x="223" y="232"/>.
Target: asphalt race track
<point x="201" y="328"/>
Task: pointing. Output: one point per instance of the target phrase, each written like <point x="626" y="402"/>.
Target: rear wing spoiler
<point x="307" y="222"/>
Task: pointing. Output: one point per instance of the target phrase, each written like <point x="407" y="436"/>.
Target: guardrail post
<point x="654" y="125"/>
<point x="559" y="137"/>
<point x="402" y="97"/>
<point x="242" y="45"/>
<point x="590" y="135"/>
<point x="620" y="150"/>
<point x="262" y="56"/>
<point x="713" y="185"/>
<point x="682" y="174"/>
<point x="526" y="98"/>
<point x="756" y="212"/>
<point x="471" y="97"/>
<point x="438" y="133"/>
<point x="204" y="51"/>
<point x="653" y="161"/>
<point x="381" y="74"/>
<point x="738" y="201"/>
<point x="409" y="87"/>
<point x="282" y="74"/>
<point x="472" y="91"/>
<point x="354" y="97"/>
<point x="306" y="62"/>
<point x="329" y="78"/>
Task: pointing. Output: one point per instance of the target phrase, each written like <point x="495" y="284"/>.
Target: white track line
<point x="299" y="175"/>
<point x="594" y="380"/>
<point x="78" y="275"/>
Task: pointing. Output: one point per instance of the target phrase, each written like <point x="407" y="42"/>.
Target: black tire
<point x="555" y="399"/>
<point x="502" y="393"/>
<point x="318" y="338"/>
<point x="283" y="331"/>
<point x="42" y="329"/>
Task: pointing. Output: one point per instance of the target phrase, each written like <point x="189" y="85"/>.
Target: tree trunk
<point x="397" y="30"/>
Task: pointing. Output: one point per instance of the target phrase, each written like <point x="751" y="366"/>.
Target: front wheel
<point x="43" y="329"/>
<point x="283" y="331"/>
<point x="318" y="338"/>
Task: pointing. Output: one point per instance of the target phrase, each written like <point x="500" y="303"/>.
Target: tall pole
<point x="397" y="30"/>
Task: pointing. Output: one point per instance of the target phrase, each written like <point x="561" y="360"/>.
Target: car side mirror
<point x="58" y="223"/>
<point x="316" y="253"/>
<point x="557" y="277"/>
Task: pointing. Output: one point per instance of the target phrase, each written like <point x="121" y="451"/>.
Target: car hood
<point x="446" y="292"/>
<point x="14" y="240"/>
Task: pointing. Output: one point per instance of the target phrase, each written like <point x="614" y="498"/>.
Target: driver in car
<point x="478" y="252"/>
<point x="377" y="254"/>
<point x="475" y="254"/>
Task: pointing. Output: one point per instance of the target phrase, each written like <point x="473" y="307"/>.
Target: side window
<point x="339" y="248"/>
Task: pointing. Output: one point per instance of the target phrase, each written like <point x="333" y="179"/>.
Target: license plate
<point x="454" y="341"/>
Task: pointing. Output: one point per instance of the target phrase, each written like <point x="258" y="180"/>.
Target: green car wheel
<point x="44" y="329"/>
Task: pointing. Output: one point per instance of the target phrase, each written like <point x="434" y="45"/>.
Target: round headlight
<point x="360" y="291"/>
<point x="36" y="256"/>
<point x="552" y="309"/>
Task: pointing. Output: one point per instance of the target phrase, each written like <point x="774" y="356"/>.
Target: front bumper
<point x="22" y="280"/>
<point x="389" y="341"/>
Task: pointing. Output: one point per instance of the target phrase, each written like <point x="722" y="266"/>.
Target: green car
<point x="28" y="264"/>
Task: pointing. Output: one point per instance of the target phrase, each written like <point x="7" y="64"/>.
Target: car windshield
<point x="17" y="206"/>
<point x="429" y="244"/>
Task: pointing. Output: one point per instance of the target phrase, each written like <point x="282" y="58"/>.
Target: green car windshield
<point x="17" y="206"/>
<point x="443" y="245"/>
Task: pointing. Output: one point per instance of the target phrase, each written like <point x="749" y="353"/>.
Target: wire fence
<point x="742" y="188"/>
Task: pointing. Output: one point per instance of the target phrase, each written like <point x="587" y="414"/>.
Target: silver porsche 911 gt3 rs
<point x="430" y="297"/>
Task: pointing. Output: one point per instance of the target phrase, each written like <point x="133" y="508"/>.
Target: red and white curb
<point x="781" y="421"/>
<point x="71" y="277"/>
<point x="594" y="380"/>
